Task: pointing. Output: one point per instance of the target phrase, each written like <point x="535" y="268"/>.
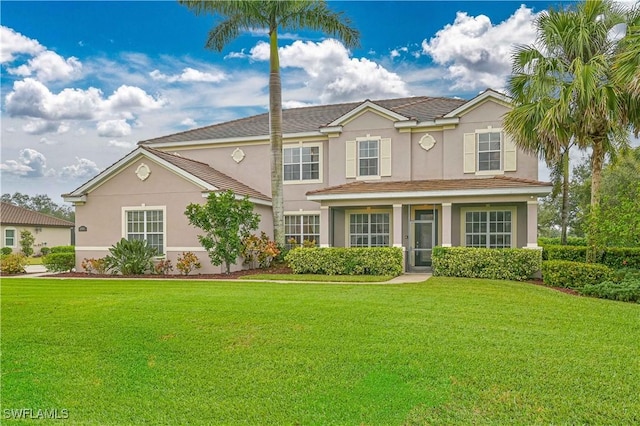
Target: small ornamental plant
<point x="163" y="267"/>
<point x="94" y="266"/>
<point x="188" y="262"/>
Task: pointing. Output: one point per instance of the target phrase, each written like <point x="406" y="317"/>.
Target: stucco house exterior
<point x="48" y="231"/>
<point x="412" y="172"/>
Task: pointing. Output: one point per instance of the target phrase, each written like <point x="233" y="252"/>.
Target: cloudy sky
<point x="83" y="82"/>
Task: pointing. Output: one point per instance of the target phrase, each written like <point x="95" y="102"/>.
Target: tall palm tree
<point x="563" y="90"/>
<point x="272" y="15"/>
<point x="626" y="67"/>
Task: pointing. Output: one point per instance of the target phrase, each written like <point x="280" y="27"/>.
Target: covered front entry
<point x="423" y="224"/>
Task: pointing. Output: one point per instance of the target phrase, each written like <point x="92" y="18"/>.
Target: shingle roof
<point x="14" y="215"/>
<point x="310" y="119"/>
<point x="364" y="187"/>
<point x="208" y="174"/>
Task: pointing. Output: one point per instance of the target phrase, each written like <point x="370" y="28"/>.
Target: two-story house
<point x="412" y="173"/>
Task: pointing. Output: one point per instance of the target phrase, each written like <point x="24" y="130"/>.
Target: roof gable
<point x="487" y="95"/>
<point x="14" y="215"/>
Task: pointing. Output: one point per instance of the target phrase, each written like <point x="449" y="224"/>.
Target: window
<point x="301" y="163"/>
<point x="10" y="237"/>
<point x="489" y="151"/>
<point x="147" y="225"/>
<point x="368" y="157"/>
<point x="490" y="229"/>
<point x="369" y="229"/>
<point x="301" y="228"/>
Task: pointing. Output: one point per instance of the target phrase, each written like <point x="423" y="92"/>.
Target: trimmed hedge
<point x="555" y="241"/>
<point x="59" y="261"/>
<point x="571" y="253"/>
<point x="564" y="273"/>
<point x="346" y="261"/>
<point x="500" y="264"/>
<point x="63" y="249"/>
<point x="621" y="257"/>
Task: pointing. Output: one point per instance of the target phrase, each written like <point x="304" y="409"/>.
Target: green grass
<point x="320" y="278"/>
<point x="447" y="351"/>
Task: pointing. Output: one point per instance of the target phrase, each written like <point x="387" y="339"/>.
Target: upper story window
<point x="368" y="157"/>
<point x="146" y="225"/>
<point x="10" y="237"/>
<point x="301" y="163"/>
<point x="489" y="151"/>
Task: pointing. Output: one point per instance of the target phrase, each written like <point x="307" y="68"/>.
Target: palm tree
<point x="563" y="91"/>
<point x="272" y="15"/>
<point x="626" y="67"/>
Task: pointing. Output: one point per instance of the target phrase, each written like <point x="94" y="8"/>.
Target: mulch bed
<point x="233" y="275"/>
<point x="560" y="289"/>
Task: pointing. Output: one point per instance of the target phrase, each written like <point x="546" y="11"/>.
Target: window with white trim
<point x="368" y="157"/>
<point x="146" y="225"/>
<point x="10" y="237"/>
<point x="369" y="230"/>
<point x="489" y="151"/>
<point x="488" y="229"/>
<point x="301" y="163"/>
<point x="300" y="228"/>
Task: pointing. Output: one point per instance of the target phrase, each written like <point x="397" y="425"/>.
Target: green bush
<point x="63" y="249"/>
<point x="346" y="261"/>
<point x="625" y="291"/>
<point x="555" y="241"/>
<point x="13" y="263"/>
<point x="45" y="250"/>
<point x="500" y="264"/>
<point x="564" y="273"/>
<point x="6" y="250"/>
<point x="571" y="253"/>
<point x="133" y="257"/>
<point x="621" y="257"/>
<point x="60" y="261"/>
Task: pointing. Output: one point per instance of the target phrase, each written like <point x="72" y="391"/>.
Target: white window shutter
<point x="510" y="150"/>
<point x="351" y="159"/>
<point x="469" y="152"/>
<point x="385" y="157"/>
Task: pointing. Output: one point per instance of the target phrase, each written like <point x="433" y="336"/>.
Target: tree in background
<point x="226" y="222"/>
<point x="272" y="15"/>
<point x="26" y="242"/>
<point x="40" y="203"/>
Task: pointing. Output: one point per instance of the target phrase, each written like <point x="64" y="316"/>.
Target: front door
<point x="423" y="243"/>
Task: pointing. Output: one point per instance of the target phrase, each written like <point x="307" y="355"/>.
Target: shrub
<point x="97" y="265"/>
<point x="555" y="241"/>
<point x="571" y="253"/>
<point x="501" y="264"/>
<point x="13" y="263"/>
<point x="45" y="250"/>
<point x="187" y="262"/>
<point x="563" y="273"/>
<point x="6" y="250"/>
<point x="346" y="261"/>
<point x="621" y="257"/>
<point x="625" y="291"/>
<point x="60" y="261"/>
<point x="26" y="242"/>
<point x="163" y="267"/>
<point x="259" y="250"/>
<point x="133" y="257"/>
<point x="63" y="249"/>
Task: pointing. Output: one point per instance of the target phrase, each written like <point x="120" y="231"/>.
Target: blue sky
<point x="83" y="82"/>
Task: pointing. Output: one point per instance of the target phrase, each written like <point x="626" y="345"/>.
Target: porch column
<point x="446" y="224"/>
<point x="397" y="225"/>
<point x="324" y="226"/>
<point x="532" y="224"/>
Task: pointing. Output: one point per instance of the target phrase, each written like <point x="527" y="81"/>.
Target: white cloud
<point x="190" y="75"/>
<point x="47" y="141"/>
<point x="189" y="122"/>
<point x="30" y="164"/>
<point x="478" y="53"/>
<point x="120" y="144"/>
<point x="113" y="128"/>
<point x="31" y="98"/>
<point x="82" y="169"/>
<point x="335" y="75"/>
<point x="39" y="127"/>
<point x="13" y="43"/>
<point x="49" y="66"/>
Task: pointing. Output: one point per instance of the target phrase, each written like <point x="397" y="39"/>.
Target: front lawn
<point x="319" y="278"/>
<point x="447" y="351"/>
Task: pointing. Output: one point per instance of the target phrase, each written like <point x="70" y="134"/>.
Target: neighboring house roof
<point x="197" y="172"/>
<point x="437" y="187"/>
<point x="14" y="215"/>
<point x="314" y="118"/>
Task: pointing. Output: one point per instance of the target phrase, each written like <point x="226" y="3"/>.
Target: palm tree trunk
<point x="275" y="124"/>
<point x="597" y="161"/>
<point x="564" y="219"/>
